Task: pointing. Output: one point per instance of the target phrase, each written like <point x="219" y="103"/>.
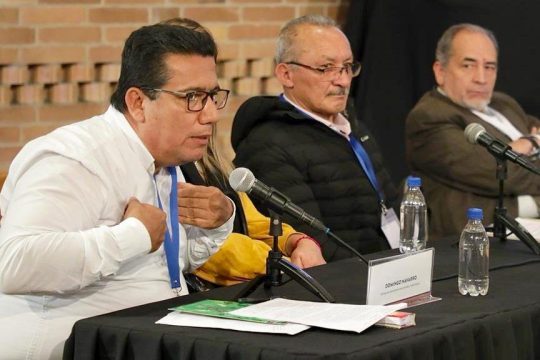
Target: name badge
<point x="401" y="278"/>
<point x="390" y="227"/>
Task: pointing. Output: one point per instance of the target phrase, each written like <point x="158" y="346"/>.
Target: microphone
<point x="242" y="179"/>
<point x="477" y="134"/>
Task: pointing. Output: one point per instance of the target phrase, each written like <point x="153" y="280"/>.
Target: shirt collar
<point x="118" y="119"/>
<point x="342" y="126"/>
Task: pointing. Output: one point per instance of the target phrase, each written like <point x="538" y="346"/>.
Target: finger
<point x="162" y="232"/>
<point x="187" y="206"/>
<point x="212" y="203"/>
<point x="187" y="220"/>
<point x="194" y="214"/>
<point x="162" y="213"/>
<point x="193" y="203"/>
<point x="189" y="190"/>
<point x="196" y="191"/>
<point x="131" y="202"/>
<point x="185" y="185"/>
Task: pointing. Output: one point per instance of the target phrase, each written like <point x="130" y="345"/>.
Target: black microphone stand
<point x="276" y="266"/>
<point x="502" y="221"/>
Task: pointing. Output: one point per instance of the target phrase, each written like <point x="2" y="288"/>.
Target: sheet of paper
<point x="532" y="226"/>
<point x="346" y="317"/>
<point x="183" y="319"/>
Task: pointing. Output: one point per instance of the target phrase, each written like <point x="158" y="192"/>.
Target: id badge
<point x="390" y="227"/>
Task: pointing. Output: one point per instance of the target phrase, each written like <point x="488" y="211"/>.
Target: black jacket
<point x="317" y="169"/>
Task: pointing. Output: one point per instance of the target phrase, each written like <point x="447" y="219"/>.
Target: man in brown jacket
<point x="456" y="174"/>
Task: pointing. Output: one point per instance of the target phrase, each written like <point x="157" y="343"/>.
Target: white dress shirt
<point x="65" y="252"/>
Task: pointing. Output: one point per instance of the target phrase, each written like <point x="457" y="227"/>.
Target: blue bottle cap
<point x="414" y="181"/>
<point x="475" y="214"/>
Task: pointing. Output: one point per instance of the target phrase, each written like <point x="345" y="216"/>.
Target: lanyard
<point x="365" y="162"/>
<point x="363" y="159"/>
<point x="172" y="246"/>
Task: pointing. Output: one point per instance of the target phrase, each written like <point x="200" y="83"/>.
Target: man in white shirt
<point x="96" y="216"/>
<point x="458" y="175"/>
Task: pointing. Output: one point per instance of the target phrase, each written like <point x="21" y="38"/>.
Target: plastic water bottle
<point x="413" y="218"/>
<point x="473" y="278"/>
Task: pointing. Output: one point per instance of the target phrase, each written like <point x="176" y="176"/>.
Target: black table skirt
<point x="505" y="324"/>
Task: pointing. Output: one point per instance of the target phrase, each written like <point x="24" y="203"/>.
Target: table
<point x="505" y="324"/>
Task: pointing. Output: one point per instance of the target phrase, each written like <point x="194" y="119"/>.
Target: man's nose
<point x="480" y="75"/>
<point x="343" y="78"/>
<point x="209" y="113"/>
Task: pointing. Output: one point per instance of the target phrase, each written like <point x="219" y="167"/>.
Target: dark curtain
<point x="395" y="41"/>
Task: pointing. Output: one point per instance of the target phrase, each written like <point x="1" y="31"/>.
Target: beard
<point x="479" y="105"/>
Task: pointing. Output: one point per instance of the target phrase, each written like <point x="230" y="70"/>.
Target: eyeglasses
<point x="331" y="73"/>
<point x="196" y="100"/>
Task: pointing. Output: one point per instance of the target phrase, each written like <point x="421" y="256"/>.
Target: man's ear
<point x="438" y="71"/>
<point x="284" y="75"/>
<point x="134" y="99"/>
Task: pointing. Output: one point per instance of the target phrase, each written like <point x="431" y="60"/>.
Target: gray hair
<point x="444" y="46"/>
<point x="285" y="50"/>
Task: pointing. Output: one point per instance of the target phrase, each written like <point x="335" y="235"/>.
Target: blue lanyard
<point x="172" y="246"/>
<point x="367" y="165"/>
<point x="363" y="159"/>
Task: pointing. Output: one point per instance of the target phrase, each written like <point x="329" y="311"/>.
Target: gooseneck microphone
<point x="242" y="179"/>
<point x="477" y="134"/>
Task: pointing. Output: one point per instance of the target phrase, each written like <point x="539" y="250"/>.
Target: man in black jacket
<point x="308" y="143"/>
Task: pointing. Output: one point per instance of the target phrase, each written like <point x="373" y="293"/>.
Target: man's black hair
<point x="143" y="57"/>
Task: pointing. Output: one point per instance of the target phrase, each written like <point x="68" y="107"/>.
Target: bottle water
<point x="413" y="218"/>
<point x="473" y="277"/>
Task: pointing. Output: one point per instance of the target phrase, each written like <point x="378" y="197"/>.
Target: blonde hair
<point x="213" y="167"/>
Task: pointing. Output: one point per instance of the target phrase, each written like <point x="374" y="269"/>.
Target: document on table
<point x="184" y="319"/>
<point x="532" y="226"/>
<point x="345" y="317"/>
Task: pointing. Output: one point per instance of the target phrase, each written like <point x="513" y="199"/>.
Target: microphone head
<point x="473" y="131"/>
<point x="241" y="179"/>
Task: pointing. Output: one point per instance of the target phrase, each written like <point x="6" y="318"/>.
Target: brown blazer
<point x="456" y="174"/>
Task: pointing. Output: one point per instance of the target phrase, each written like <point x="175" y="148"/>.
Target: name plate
<point x="398" y="278"/>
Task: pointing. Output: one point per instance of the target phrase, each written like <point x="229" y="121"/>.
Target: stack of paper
<point x="217" y="314"/>
<point x="344" y="317"/>
<point x="531" y="225"/>
<point x="278" y="315"/>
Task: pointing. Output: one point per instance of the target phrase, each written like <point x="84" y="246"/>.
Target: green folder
<point x="221" y="309"/>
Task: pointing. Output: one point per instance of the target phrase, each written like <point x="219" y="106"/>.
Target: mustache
<point x="339" y="91"/>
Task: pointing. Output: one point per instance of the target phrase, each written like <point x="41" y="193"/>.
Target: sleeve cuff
<point x="132" y="238"/>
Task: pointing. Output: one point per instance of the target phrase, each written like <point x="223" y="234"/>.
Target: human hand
<point x="203" y="206"/>
<point x="153" y="219"/>
<point x="522" y="146"/>
<point x="306" y="252"/>
<point x="527" y="144"/>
